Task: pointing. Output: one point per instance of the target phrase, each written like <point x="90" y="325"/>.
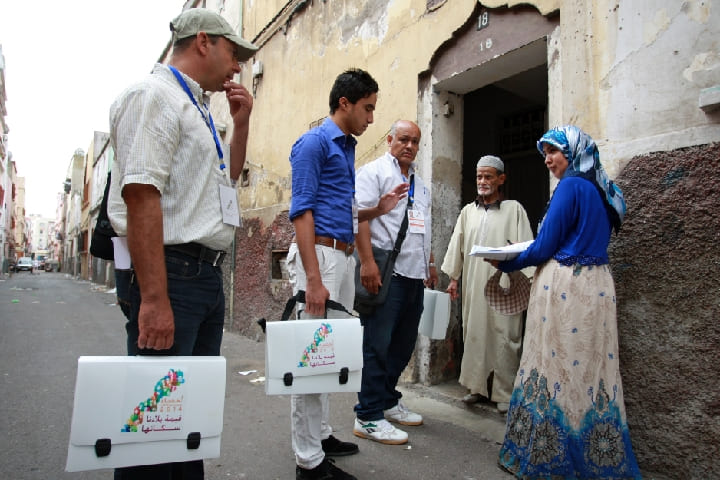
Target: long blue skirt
<point x="567" y="414"/>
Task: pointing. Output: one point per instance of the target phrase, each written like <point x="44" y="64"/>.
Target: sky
<point x="65" y="62"/>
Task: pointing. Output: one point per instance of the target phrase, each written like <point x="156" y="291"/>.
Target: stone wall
<point x="665" y="263"/>
<point x="257" y="295"/>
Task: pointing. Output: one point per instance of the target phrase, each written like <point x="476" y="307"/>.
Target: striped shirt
<point x="161" y="139"/>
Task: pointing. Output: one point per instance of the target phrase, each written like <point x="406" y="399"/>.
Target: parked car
<point x="51" y="265"/>
<point x="25" y="263"/>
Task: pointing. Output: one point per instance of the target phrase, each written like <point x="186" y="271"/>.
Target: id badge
<point x="229" y="206"/>
<point x="355" y="216"/>
<point x="416" y="221"/>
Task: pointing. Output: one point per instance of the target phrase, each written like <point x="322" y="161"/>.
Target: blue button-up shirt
<point x="323" y="180"/>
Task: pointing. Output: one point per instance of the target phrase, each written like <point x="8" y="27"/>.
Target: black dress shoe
<point x="325" y="471"/>
<point x="335" y="448"/>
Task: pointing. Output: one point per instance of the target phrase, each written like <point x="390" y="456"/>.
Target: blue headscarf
<point x="584" y="161"/>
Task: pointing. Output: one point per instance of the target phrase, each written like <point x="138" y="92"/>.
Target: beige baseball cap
<point x="195" y="20"/>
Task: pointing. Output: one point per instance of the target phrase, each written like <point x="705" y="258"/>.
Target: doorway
<point x="486" y="92"/>
<point x="506" y="119"/>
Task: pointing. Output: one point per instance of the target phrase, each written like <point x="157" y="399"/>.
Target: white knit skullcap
<point x="491" y="161"/>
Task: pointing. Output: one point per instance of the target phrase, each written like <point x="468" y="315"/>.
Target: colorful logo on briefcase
<point x="321" y="351"/>
<point x="160" y="412"/>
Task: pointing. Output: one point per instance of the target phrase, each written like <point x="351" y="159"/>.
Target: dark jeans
<point x="123" y="280"/>
<point x="388" y="342"/>
<point x="198" y="303"/>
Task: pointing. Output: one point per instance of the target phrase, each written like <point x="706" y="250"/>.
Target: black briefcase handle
<point x="299" y="297"/>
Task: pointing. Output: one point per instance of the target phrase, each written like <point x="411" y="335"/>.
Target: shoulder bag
<point x="366" y="302"/>
<point x="101" y="245"/>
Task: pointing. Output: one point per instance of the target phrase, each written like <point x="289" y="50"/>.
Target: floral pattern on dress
<point x="539" y="442"/>
<point x="566" y="418"/>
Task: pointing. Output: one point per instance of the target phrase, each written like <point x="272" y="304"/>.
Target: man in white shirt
<point x="391" y="330"/>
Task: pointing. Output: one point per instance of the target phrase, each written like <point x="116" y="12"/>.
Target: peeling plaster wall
<point x="439" y="164"/>
<point x="256" y="294"/>
<point x="666" y="52"/>
<point x="325" y="39"/>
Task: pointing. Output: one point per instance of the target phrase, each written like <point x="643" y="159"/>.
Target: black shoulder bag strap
<point x="403" y="228"/>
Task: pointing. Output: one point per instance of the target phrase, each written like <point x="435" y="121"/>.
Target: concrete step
<point x="443" y="402"/>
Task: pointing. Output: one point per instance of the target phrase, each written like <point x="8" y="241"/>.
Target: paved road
<point x="50" y="319"/>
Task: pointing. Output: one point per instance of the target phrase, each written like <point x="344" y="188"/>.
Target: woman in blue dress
<point x="567" y="418"/>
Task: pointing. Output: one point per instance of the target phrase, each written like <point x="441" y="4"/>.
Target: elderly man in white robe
<point x="492" y="340"/>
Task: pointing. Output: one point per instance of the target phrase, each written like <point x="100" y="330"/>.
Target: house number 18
<point x="486" y="45"/>
<point x="483" y="20"/>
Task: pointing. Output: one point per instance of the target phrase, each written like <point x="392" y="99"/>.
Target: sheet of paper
<point x="122" y="253"/>
<point x="508" y="252"/>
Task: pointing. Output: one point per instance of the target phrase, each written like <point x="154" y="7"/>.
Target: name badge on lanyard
<point x="229" y="205"/>
<point x="416" y="221"/>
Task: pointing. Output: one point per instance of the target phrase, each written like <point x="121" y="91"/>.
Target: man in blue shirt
<point x="320" y="261"/>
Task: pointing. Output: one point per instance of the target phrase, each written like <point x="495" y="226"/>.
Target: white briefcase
<point x="313" y="356"/>
<point x="436" y="314"/>
<point x="146" y="410"/>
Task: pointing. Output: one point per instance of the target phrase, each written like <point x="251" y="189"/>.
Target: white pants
<point x="310" y="414"/>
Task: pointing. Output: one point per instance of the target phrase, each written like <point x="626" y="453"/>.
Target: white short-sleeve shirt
<point x="378" y="178"/>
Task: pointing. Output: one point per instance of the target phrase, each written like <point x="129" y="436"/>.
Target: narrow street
<point x="50" y="319"/>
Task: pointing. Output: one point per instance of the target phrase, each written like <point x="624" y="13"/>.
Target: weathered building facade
<point x="7" y="187"/>
<point x="73" y="240"/>
<point x="99" y="162"/>
<point x="19" y="225"/>
<point x="642" y="77"/>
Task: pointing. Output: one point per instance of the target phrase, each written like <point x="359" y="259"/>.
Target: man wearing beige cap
<point x="170" y="173"/>
<point x="492" y="340"/>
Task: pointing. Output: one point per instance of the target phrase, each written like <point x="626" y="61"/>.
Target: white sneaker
<point x="502" y="407"/>
<point x="380" y="431"/>
<point x="402" y="415"/>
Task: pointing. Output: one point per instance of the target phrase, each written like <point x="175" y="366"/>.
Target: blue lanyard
<point x="208" y="120"/>
<point x="411" y="190"/>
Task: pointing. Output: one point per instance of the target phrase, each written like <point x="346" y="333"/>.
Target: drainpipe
<point x="232" y="245"/>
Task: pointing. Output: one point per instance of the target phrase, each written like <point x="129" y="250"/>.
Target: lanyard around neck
<point x="208" y="120"/>
<point x="411" y="190"/>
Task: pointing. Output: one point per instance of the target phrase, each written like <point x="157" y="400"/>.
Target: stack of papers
<point x="508" y="252"/>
